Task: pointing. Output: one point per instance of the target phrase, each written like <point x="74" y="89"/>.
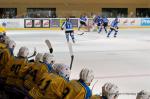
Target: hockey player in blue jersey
<point x="83" y="22"/>
<point x="105" y="23"/>
<point x="114" y="27"/>
<point x="68" y="26"/>
<point x="99" y="23"/>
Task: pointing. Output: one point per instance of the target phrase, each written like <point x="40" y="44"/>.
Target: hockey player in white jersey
<point x="68" y="26"/>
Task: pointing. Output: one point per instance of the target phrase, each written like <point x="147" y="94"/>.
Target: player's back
<point x="5" y="56"/>
<point x="51" y="86"/>
<point x="14" y="75"/>
<point x="2" y="45"/>
<point x="75" y="90"/>
<point x="114" y="23"/>
<point x="83" y="18"/>
<point x="33" y="73"/>
<point x="105" y="20"/>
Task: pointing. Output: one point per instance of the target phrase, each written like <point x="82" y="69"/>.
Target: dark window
<point x="41" y="12"/>
<point x="8" y="12"/>
<point x="115" y="12"/>
<point x="142" y="12"/>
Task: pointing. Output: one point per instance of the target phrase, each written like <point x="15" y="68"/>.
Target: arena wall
<point x="75" y="7"/>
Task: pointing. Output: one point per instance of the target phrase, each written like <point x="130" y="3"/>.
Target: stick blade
<point x="48" y="43"/>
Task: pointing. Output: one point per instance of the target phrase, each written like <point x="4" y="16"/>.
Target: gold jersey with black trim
<point x="51" y="86"/>
<point x="33" y="73"/>
<point x="5" y="57"/>
<point x="75" y="90"/>
<point x="14" y="72"/>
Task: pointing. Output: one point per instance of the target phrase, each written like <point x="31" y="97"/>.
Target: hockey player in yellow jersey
<point x="2" y="35"/>
<point x="78" y="89"/>
<point x="34" y="71"/>
<point x="2" y="42"/>
<point x="14" y="76"/>
<point x="52" y="85"/>
<point x="109" y="91"/>
<point x="7" y="54"/>
<point x="3" y="28"/>
<point x="2" y="45"/>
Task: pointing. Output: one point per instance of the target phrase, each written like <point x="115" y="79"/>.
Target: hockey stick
<point x="116" y="29"/>
<point x="94" y="85"/>
<point x="35" y="52"/>
<point x="81" y="34"/>
<point x="48" y="43"/>
<point x="71" y="54"/>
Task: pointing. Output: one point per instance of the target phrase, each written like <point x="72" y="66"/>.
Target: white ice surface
<point x="128" y="54"/>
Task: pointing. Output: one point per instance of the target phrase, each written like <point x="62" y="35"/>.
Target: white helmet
<point x="23" y="52"/>
<point x="86" y="75"/>
<point x="49" y="58"/>
<point x="143" y="95"/>
<point x="39" y="57"/>
<point x="110" y="90"/>
<point x="62" y="70"/>
<point x="11" y="44"/>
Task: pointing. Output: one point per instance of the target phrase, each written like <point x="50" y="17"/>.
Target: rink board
<point x="56" y="23"/>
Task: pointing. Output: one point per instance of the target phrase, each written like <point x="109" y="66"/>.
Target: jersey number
<point x="15" y="68"/>
<point x="68" y="26"/>
<point x="44" y="84"/>
<point x="33" y="73"/>
<point x="66" y="92"/>
<point x="1" y="55"/>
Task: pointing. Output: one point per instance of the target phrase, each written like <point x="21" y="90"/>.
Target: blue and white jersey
<point x="67" y="26"/>
<point x="105" y="20"/>
<point x="114" y="23"/>
<point x="99" y="20"/>
<point x="83" y="19"/>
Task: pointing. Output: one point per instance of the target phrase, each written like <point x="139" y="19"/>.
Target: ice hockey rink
<point x="124" y="61"/>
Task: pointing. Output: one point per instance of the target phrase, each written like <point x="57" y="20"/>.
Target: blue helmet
<point x="4" y="24"/>
<point x="116" y="19"/>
